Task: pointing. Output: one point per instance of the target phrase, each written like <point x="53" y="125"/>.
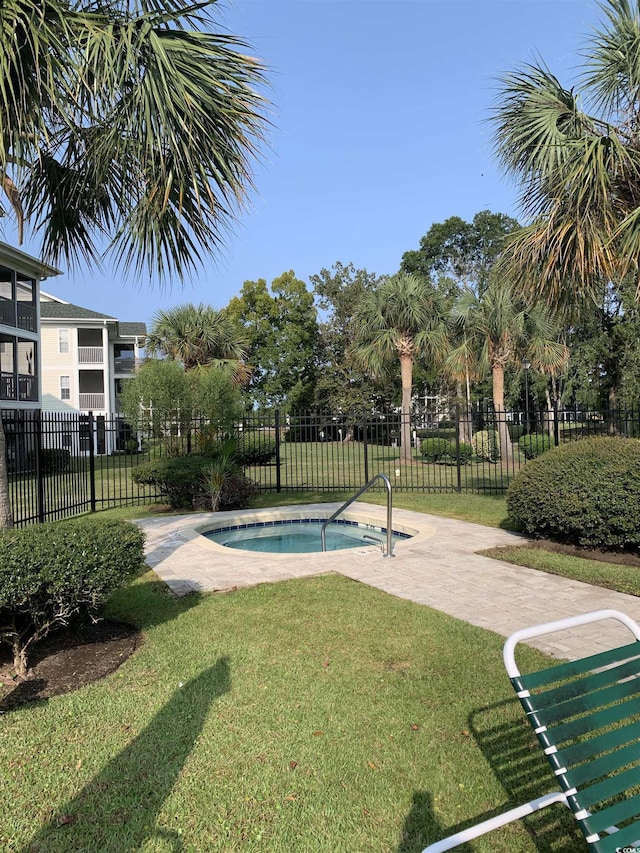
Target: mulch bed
<point x="67" y="660"/>
<point x="624" y="558"/>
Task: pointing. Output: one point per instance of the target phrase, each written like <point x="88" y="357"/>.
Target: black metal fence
<point x="65" y="464"/>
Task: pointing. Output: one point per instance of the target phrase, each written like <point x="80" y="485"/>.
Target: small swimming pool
<point x="300" y="536"/>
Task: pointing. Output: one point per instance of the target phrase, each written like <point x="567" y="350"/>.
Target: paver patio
<point x="439" y="568"/>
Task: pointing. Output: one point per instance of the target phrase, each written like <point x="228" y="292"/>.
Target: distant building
<point x="86" y="358"/>
<point x="20" y="371"/>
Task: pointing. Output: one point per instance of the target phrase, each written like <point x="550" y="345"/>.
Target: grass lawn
<point x="315" y="715"/>
<point x="311" y="715"/>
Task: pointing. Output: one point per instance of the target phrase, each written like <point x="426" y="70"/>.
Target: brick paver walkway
<point x="439" y="568"/>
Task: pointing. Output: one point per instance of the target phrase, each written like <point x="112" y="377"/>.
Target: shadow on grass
<point x="511" y="749"/>
<point x="117" y="810"/>
<point x="421" y="828"/>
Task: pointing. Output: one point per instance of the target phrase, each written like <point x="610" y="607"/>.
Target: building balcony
<point x="91" y="402"/>
<point x="19" y="315"/>
<point x="126" y="365"/>
<point x="91" y="355"/>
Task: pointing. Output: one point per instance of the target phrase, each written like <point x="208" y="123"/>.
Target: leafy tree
<point x="502" y="329"/>
<point x="130" y="123"/>
<point x="462" y="252"/>
<point x="282" y="333"/>
<point x="342" y="384"/>
<point x="400" y="320"/>
<point x="579" y="173"/>
<point x="163" y="393"/>
<point x="604" y="340"/>
<point x="198" y="336"/>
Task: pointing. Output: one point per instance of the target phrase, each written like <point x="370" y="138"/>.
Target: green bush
<point x="52" y="460"/>
<point x="586" y="493"/>
<point x="181" y="481"/>
<point x="465" y="451"/>
<point x="516" y="431"/>
<point x="177" y="478"/>
<point x="486" y="445"/>
<point x="448" y="432"/>
<point x="254" y="448"/>
<point x="50" y="572"/>
<point x="433" y="449"/>
<point x="534" y="444"/>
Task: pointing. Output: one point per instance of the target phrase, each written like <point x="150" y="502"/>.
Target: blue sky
<point x="379" y="130"/>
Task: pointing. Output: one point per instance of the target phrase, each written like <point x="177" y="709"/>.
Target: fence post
<point x="458" y="463"/>
<point x="92" y="463"/>
<point x="37" y="430"/>
<point x="277" y="425"/>
<point x="556" y="424"/>
<point x="365" y="447"/>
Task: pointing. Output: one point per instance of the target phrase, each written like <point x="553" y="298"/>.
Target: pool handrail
<point x="387" y="483"/>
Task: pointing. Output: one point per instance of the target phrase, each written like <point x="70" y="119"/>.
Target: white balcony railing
<point x="91" y="402"/>
<point x="90" y="355"/>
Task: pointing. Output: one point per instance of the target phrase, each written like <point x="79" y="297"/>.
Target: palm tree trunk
<point x="506" y="451"/>
<point x="6" y="516"/>
<point x="406" y="374"/>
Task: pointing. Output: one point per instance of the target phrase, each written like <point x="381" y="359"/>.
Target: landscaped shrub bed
<point x="586" y="493"/>
<point x="181" y="481"/>
<point x="53" y="571"/>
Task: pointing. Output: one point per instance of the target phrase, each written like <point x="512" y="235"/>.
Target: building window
<point x="67" y="440"/>
<point x="65" y="387"/>
<point x="63" y="340"/>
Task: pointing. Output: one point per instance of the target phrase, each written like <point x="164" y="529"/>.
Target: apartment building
<point x="20" y="276"/>
<point x="86" y="357"/>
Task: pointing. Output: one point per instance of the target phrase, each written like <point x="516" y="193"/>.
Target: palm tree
<point x="400" y="320"/>
<point x="198" y="336"/>
<point x="126" y="129"/>
<point x="502" y="329"/>
<point x="579" y="173"/>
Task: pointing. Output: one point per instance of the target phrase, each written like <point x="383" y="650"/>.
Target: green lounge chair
<point x="586" y="715"/>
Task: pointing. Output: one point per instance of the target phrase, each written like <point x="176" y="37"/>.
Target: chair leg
<point x="495" y="822"/>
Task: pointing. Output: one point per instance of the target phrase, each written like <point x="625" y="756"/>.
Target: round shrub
<point x="433" y="449"/>
<point x="486" y="445"/>
<point x="585" y="493"/>
<point x="534" y="444"/>
<point x="52" y="571"/>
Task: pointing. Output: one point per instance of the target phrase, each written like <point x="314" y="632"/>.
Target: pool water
<point x="301" y="536"/>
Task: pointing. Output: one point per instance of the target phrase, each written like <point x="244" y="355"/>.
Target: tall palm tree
<point x="400" y="320"/>
<point x="198" y="336"/>
<point x="579" y="173"/>
<point x="125" y="124"/>
<point x="500" y="329"/>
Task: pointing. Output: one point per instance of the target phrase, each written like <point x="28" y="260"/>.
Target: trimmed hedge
<point x="254" y="448"/>
<point x="52" y="460"/>
<point x="486" y="445"/>
<point x="535" y="444"/>
<point x="586" y="493"/>
<point x="52" y="571"/>
<point x="433" y="449"/>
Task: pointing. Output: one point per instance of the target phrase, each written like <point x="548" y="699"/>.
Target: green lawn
<point x="311" y="715"/>
<point x="332" y="465"/>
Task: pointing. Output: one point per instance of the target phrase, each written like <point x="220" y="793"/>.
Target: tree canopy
<point x="578" y="172"/>
<point x="130" y="123"/>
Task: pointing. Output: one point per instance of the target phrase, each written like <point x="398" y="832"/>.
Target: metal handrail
<point x="387" y="482"/>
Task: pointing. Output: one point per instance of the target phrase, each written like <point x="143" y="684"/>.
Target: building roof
<point x="131" y="330"/>
<point x="27" y="264"/>
<point x="66" y="311"/>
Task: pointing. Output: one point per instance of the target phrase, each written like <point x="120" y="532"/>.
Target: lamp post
<point x="525" y="366"/>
